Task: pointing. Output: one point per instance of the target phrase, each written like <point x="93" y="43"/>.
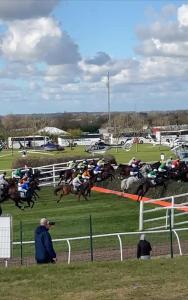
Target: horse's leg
<point x="84" y="195"/>
<point x="112" y="177"/>
<point x="32" y="203"/>
<point x="1" y="211"/>
<point x="17" y="204"/>
<point x="79" y="195"/>
<point x="60" y="197"/>
<point x="36" y="195"/>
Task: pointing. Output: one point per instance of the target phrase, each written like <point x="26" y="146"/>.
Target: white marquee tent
<point x="53" y="130"/>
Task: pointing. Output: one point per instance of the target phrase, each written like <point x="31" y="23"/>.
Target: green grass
<point x="145" y="152"/>
<point x="109" y="214"/>
<point x="157" y="279"/>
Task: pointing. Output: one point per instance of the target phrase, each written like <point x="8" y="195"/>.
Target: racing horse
<point x="66" y="175"/>
<point x="108" y="172"/>
<point x="138" y="179"/>
<point x="19" y="197"/>
<point x="180" y="173"/>
<point x="148" y="184"/>
<point x="123" y="171"/>
<point x="65" y="189"/>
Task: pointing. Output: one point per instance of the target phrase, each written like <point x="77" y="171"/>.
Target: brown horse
<point x="11" y="192"/>
<point x="66" y="189"/>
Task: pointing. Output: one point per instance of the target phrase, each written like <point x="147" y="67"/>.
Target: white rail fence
<point x="49" y="174"/>
<point x="119" y="237"/>
<point x="169" y="203"/>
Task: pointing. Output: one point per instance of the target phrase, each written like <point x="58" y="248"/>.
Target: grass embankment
<point x="158" y="279"/>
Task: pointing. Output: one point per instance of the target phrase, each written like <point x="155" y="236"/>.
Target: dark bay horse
<point x="107" y="172"/>
<point x="66" y="189"/>
<point x="180" y="173"/>
<point x="148" y="184"/>
<point x="123" y="171"/>
<point x="19" y="197"/>
<point x="67" y="175"/>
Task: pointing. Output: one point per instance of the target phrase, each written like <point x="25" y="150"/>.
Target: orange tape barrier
<point x="134" y="197"/>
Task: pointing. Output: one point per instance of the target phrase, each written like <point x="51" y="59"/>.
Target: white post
<point x="53" y="175"/>
<point x="6" y="263"/>
<point x="167" y="216"/>
<point x="120" y="246"/>
<point x="141" y="222"/>
<point x="69" y="254"/>
<point x="172" y="212"/>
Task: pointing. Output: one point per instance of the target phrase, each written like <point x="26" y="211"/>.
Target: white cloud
<point x="25" y="9"/>
<point x="182" y="15"/>
<point x="166" y="38"/>
<point x="38" y="40"/>
<point x="43" y="60"/>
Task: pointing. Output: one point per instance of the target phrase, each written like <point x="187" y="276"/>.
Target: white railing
<point x="52" y="172"/>
<point x="118" y="235"/>
<point x="169" y="203"/>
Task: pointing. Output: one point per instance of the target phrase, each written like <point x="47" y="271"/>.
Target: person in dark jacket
<point x="143" y="248"/>
<point x="44" y="251"/>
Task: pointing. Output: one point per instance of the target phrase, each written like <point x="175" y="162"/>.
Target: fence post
<point x="172" y="212"/>
<point x="21" y="243"/>
<point x="53" y="175"/>
<point x="141" y="223"/>
<point x="91" y="237"/>
<point x="170" y="227"/>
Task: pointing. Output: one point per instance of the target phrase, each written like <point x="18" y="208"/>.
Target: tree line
<point x="15" y="125"/>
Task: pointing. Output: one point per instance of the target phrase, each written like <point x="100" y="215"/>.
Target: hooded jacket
<point x="44" y="251"/>
<point x="143" y="248"/>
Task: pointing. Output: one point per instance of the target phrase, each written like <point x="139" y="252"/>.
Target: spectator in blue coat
<point x="44" y="251"/>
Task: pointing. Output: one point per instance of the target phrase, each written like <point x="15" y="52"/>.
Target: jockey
<point x="91" y="164"/>
<point x="4" y="185"/>
<point x="71" y="164"/>
<point x="97" y="170"/>
<point x="17" y="174"/>
<point x="77" y="182"/>
<point x="86" y="175"/>
<point x="81" y="165"/>
<point x="23" y="187"/>
<point x="169" y="163"/>
<point x="137" y="162"/>
<point x="3" y="181"/>
<point x="134" y="171"/>
<point x="176" y="164"/>
<point x="162" y="167"/>
<point x="153" y="175"/>
<point x="132" y="161"/>
<point x="101" y="162"/>
<point x="85" y="162"/>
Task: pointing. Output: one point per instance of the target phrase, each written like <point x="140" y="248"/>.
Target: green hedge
<point x="42" y="161"/>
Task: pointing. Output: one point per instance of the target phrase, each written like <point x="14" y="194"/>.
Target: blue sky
<point x="55" y="57"/>
<point x="108" y="25"/>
